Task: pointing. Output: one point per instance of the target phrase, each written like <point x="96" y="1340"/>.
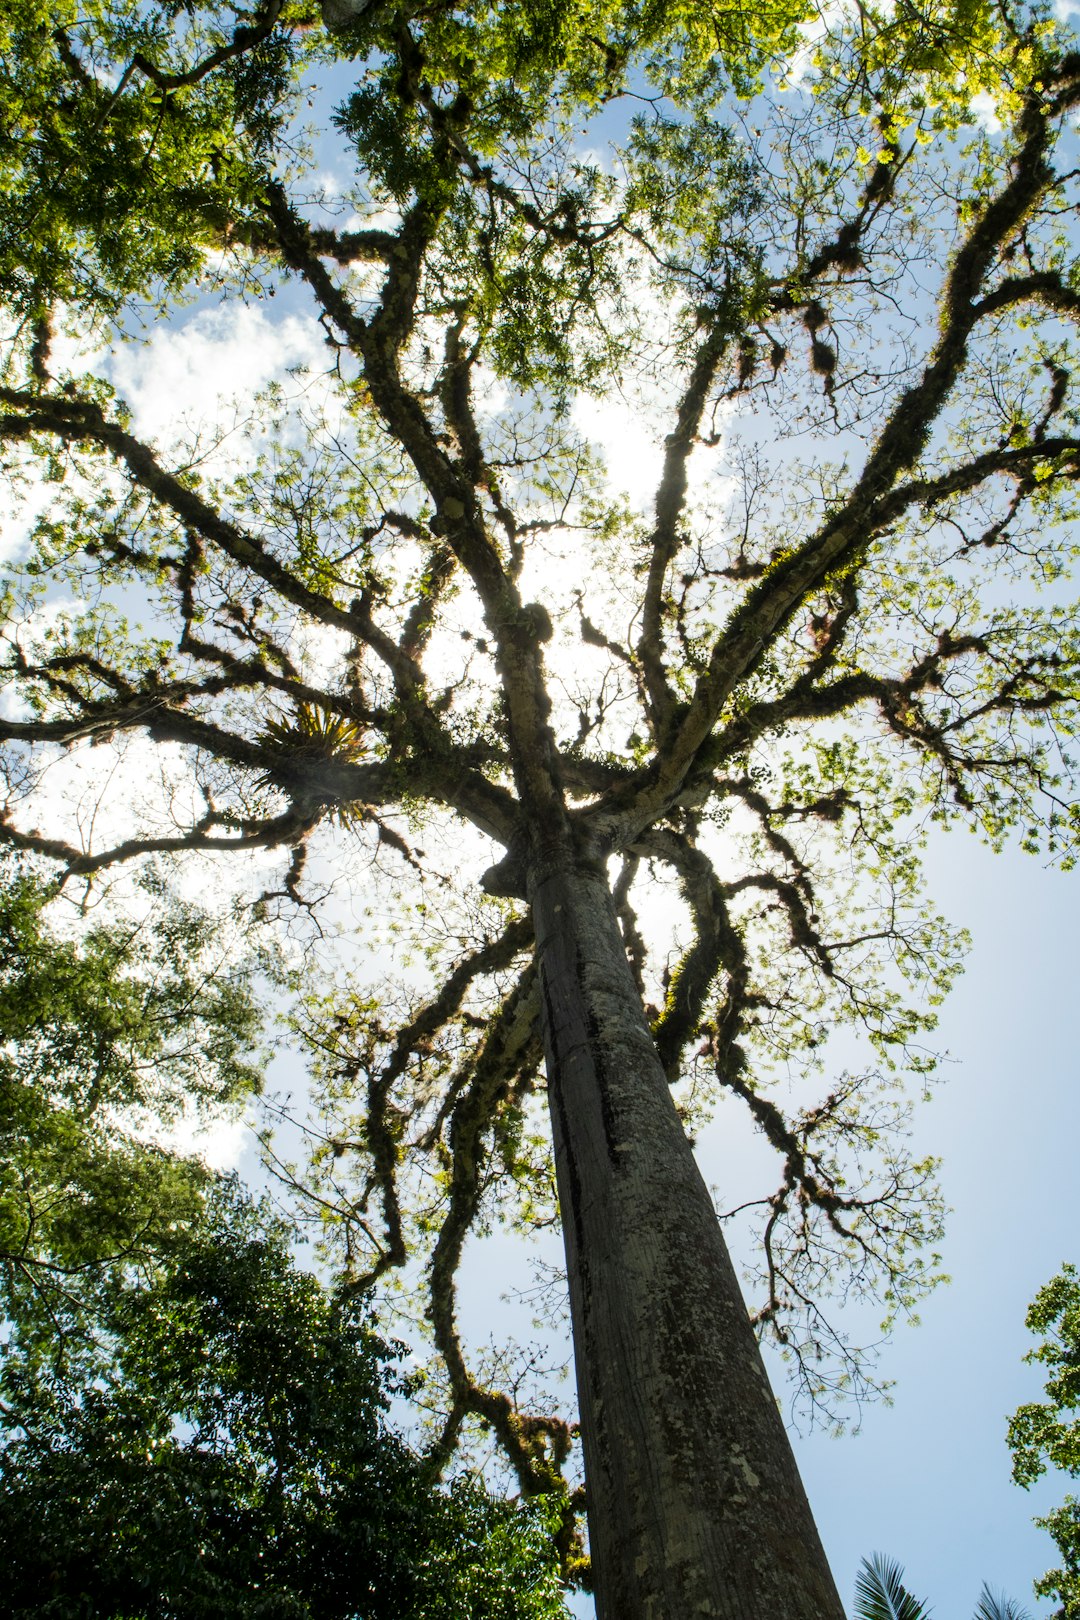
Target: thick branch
<point x="670" y="501"/>
<point x="790" y="581"/>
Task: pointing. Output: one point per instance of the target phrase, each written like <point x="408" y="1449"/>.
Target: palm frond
<point x="880" y="1593"/>
<point x="993" y="1607"/>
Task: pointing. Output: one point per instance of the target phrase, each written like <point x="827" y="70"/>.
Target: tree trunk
<point x="695" y="1504"/>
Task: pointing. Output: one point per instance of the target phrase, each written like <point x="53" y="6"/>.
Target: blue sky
<point x="927" y="1480"/>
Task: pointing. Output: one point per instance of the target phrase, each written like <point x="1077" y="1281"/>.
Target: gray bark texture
<point x="695" y="1504"/>
<point x="338" y="14"/>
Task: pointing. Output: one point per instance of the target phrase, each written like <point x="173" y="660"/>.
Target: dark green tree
<point x="1046" y="1434"/>
<point x="412" y="610"/>
<point x="223" y="1450"/>
<point x="108" y="1036"/>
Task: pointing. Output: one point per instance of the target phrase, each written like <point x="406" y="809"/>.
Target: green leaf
<point x="993" y="1606"/>
<point x="880" y="1593"/>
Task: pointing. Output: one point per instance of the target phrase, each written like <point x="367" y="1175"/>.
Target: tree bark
<point x="695" y="1504"/>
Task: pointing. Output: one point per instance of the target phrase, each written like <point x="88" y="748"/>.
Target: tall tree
<point x="414" y="602"/>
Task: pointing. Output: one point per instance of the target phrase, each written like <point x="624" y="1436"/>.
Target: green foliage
<point x="119" y="161"/>
<point x="105" y="1037"/>
<point x="880" y="1593"/>
<point x="928" y="63"/>
<point x="1047" y="1434"/>
<point x="137" y="139"/>
<point x="225" y="1452"/>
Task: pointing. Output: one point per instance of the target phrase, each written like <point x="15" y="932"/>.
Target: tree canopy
<point x="110" y="1035"/>
<point x="222" y="1448"/>
<point x="408" y="627"/>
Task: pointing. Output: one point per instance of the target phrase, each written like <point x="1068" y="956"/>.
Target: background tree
<point x="413" y="603"/>
<point x="110" y="1036"/>
<point x="223" y="1449"/>
<point x="1043" y="1435"/>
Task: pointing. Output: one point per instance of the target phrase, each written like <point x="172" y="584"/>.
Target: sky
<point x="926" y="1478"/>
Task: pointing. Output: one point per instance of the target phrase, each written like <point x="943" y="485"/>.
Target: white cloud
<point x="186" y="375"/>
<point x="984" y="110"/>
<point x="490" y="392"/>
